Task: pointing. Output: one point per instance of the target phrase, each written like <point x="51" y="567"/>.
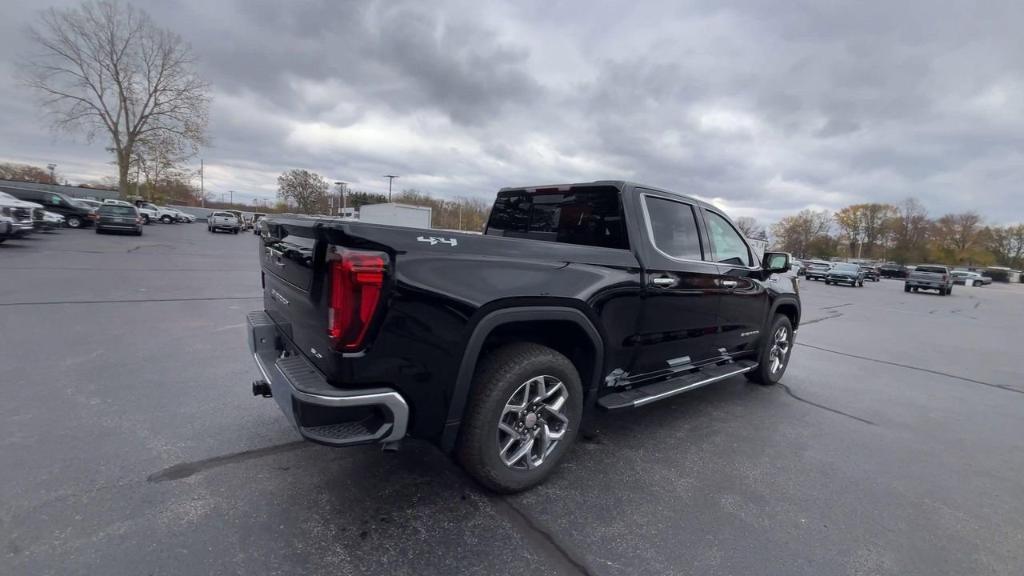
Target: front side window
<point x="587" y="216"/>
<point x="728" y="245"/>
<point x="673" y="228"/>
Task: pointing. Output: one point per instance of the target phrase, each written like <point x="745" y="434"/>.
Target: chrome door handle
<point x="729" y="283"/>
<point x="663" y="281"/>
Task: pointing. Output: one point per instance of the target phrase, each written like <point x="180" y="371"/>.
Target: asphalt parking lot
<point x="130" y="443"/>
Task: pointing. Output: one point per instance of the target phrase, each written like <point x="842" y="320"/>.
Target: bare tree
<point x="106" y="67"/>
<point x="307" y="189"/>
<point x="750" y="227"/>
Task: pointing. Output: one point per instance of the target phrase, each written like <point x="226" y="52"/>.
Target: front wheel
<point x="522" y="416"/>
<point x="775" y="352"/>
<point x="145" y="218"/>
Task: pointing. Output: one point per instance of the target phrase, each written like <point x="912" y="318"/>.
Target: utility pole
<point x="202" y="191"/>
<point x="344" y="203"/>
<point x="53" y="171"/>
<point x="460" y="214"/>
<point x="232" y="192"/>
<point x="391" y="178"/>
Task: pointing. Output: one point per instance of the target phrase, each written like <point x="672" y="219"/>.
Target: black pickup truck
<point x="499" y="347"/>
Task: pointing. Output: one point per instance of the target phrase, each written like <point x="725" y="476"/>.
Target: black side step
<point x="661" y="390"/>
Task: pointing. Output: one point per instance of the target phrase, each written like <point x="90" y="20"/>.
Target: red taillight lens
<point x="945" y="278"/>
<point x="356" y="280"/>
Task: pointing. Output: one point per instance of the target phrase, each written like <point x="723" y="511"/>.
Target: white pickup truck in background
<point x="930" y="277"/>
<point x="223" y="221"/>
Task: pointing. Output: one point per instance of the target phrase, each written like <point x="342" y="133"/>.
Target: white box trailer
<point x="396" y="215"/>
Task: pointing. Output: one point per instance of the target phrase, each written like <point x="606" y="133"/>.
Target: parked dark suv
<point x="75" y="216"/>
<point x="892" y="271"/>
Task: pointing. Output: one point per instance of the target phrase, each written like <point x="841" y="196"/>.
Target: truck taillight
<point x="355" y="282"/>
<point x="945" y="277"/>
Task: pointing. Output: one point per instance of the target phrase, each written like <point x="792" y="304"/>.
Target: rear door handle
<point x="663" y="281"/>
<point x="729" y="283"/>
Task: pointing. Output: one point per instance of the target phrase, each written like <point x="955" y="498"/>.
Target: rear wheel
<point x="166" y="219"/>
<point x="73" y="222"/>
<point x="775" y="351"/>
<point x="906" y="288"/>
<point x="522" y="416"/>
<point x="145" y="218"/>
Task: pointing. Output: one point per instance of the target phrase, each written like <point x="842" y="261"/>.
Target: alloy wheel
<point x="779" y="350"/>
<point x="533" y="422"/>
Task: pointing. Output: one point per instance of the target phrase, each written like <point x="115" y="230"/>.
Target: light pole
<point x="232" y="192"/>
<point x="391" y="178"/>
<point x="344" y="203"/>
<point x="202" y="190"/>
<point x="53" y="172"/>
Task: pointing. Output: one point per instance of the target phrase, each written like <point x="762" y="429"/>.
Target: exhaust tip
<point x="261" y="388"/>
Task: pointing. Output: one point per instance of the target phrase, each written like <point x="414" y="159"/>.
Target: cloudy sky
<point x="764" y="107"/>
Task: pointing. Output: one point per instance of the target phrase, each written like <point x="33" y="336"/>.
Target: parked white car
<point x="20" y="213"/>
<point x="52" y="220"/>
<point x="6" y="227"/>
<point x="152" y="212"/>
<point x="183" y="217"/>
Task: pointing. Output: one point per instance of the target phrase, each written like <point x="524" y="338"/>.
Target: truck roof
<point x="624" y="186"/>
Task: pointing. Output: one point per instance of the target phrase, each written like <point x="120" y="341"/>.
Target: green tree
<point x="805" y="234"/>
<point x="307" y="189"/>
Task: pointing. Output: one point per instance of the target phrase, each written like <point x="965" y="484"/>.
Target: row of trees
<point x="899" y="232"/>
<point x="310" y="193"/>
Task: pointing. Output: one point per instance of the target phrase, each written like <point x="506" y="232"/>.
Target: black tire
<point x="235" y="231"/>
<point x="499" y="377"/>
<point x="915" y="289"/>
<point x="73" y="222"/>
<point x="145" y="218"/>
<point x="764" y="374"/>
<point x="906" y="288"/>
<point x="166" y="219"/>
<point x="98" y="231"/>
<point x="860" y="284"/>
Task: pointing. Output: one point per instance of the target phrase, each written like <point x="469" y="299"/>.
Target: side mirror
<point x="777" y="262"/>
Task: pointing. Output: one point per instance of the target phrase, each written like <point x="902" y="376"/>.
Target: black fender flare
<point x="779" y="302"/>
<point x="483" y="328"/>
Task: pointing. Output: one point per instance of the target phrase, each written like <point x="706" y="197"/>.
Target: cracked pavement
<point x="130" y="443"/>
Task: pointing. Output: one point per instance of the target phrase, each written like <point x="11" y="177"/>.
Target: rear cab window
<point x="932" y="269"/>
<point x="116" y="210"/>
<point x="673" y="228"/>
<point x="581" y="215"/>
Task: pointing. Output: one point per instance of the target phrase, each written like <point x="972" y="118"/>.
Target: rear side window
<point x="587" y="216"/>
<point x="726" y="242"/>
<point x="673" y="228"/>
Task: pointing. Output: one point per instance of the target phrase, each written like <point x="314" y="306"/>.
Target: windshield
<point x="843" y="267"/>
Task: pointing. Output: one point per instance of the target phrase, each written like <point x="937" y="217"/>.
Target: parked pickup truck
<point x="500" y="347"/>
<point x="929" y="277"/>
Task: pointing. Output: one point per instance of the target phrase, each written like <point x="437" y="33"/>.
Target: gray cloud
<point x="764" y="107"/>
